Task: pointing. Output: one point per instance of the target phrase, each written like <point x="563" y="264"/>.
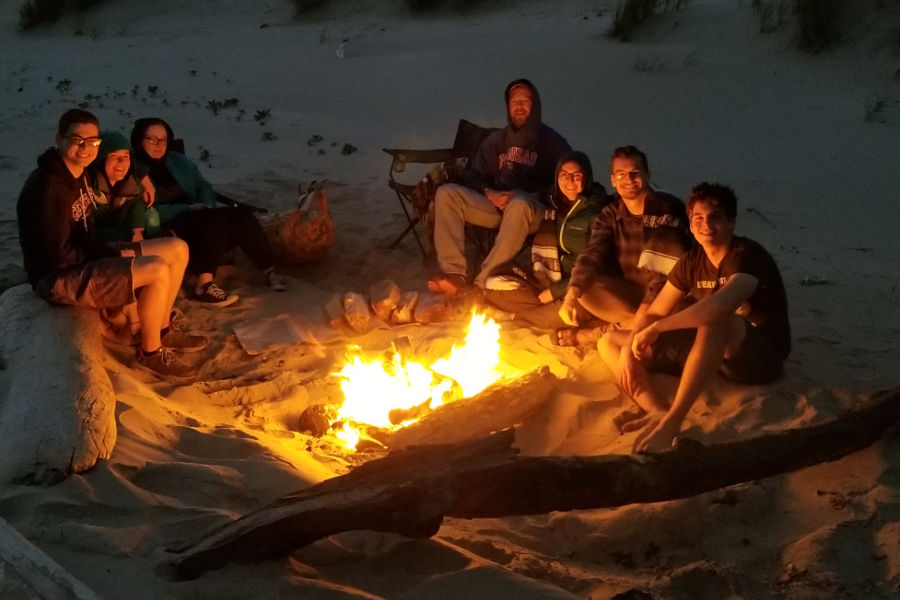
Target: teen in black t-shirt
<point x="737" y="324"/>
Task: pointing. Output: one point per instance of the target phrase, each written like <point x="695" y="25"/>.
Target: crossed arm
<point x="712" y="309"/>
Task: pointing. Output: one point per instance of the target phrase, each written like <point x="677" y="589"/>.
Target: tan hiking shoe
<point x="179" y="340"/>
<point x="165" y="362"/>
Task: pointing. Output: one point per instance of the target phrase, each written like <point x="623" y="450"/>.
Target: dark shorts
<point x="758" y="361"/>
<point x="101" y="283"/>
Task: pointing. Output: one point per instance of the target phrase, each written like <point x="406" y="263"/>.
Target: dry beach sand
<point x="701" y="91"/>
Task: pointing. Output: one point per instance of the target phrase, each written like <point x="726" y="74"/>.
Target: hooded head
<point x="523" y="105"/>
<point x="114" y="157"/>
<point x="150" y="139"/>
<point x="110" y="141"/>
<point x="570" y="165"/>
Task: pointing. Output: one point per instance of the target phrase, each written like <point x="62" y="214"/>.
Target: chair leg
<point x="410" y="228"/>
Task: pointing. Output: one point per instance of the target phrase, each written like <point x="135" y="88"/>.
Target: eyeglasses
<point x="156" y="141"/>
<point x="565" y="176"/>
<point x="81" y="142"/>
<point x="623" y="175"/>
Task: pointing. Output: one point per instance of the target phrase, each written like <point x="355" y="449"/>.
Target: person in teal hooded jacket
<point x="187" y="207"/>
<point x="534" y="296"/>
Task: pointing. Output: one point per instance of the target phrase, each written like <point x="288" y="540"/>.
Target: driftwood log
<point x="497" y="407"/>
<point x="26" y="573"/>
<point x="57" y="404"/>
<point x="412" y="490"/>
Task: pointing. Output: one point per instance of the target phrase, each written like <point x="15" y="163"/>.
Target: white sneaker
<point x="276" y="281"/>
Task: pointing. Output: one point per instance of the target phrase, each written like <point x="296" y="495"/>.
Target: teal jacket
<point x="188" y="176"/>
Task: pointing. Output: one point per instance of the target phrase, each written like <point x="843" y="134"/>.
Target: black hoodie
<point x="54" y="215"/>
<point x="518" y="158"/>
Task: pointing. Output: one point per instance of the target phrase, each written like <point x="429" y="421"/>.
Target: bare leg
<point x="150" y="275"/>
<point x="612" y="299"/>
<point x="702" y="362"/>
<point x="636" y="384"/>
<point x="174" y="252"/>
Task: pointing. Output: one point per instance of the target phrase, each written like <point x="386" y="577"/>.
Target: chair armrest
<point x="222" y="199"/>
<point x="420" y="156"/>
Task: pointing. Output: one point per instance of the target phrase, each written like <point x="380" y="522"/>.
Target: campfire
<point x="389" y="393"/>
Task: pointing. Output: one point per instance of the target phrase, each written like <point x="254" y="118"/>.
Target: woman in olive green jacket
<point x="534" y="295"/>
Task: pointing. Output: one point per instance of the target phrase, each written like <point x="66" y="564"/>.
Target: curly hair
<point x="714" y="193"/>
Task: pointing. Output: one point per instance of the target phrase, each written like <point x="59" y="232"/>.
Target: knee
<point x="609" y="349"/>
<point x="157" y="268"/>
<point x="446" y="196"/>
<point x="520" y="209"/>
<point x="180" y="251"/>
<point x="150" y="270"/>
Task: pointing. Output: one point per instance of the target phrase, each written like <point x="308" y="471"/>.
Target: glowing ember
<point x="375" y="390"/>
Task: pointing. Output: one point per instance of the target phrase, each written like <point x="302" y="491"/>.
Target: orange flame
<point x="374" y="388"/>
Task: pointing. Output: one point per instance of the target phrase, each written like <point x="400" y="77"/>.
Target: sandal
<point x="565" y="336"/>
<point x="578" y="336"/>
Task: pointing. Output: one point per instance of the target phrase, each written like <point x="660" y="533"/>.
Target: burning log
<point x="410" y="491"/>
<point x="501" y="405"/>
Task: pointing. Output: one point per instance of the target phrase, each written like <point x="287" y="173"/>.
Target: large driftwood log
<point x="411" y="490"/>
<point x="497" y="407"/>
<point x="57" y="405"/>
<point x="26" y="573"/>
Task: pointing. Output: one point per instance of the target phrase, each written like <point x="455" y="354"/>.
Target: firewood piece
<point x="29" y="573"/>
<point x="410" y="490"/>
<point x="384" y="295"/>
<point x="399" y="415"/>
<point x="501" y="405"/>
<point x="356" y="311"/>
<point x="389" y="497"/>
<point x="334" y="312"/>
<point x="316" y="419"/>
<point x="406" y="308"/>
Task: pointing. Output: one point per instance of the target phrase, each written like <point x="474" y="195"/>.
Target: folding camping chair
<point x="449" y="164"/>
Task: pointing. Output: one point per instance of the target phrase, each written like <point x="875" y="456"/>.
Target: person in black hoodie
<point x="66" y="264"/>
<point x="506" y="188"/>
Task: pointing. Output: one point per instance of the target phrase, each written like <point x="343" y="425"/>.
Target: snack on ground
<point x="356" y="311"/>
<point x="406" y="308"/>
<point x="334" y="312"/>
<point x="383" y="296"/>
<point x="431" y="309"/>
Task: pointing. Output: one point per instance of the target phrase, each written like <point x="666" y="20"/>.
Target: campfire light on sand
<point x="376" y="390"/>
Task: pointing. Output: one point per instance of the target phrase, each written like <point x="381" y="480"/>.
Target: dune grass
<point x="631" y="14"/>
